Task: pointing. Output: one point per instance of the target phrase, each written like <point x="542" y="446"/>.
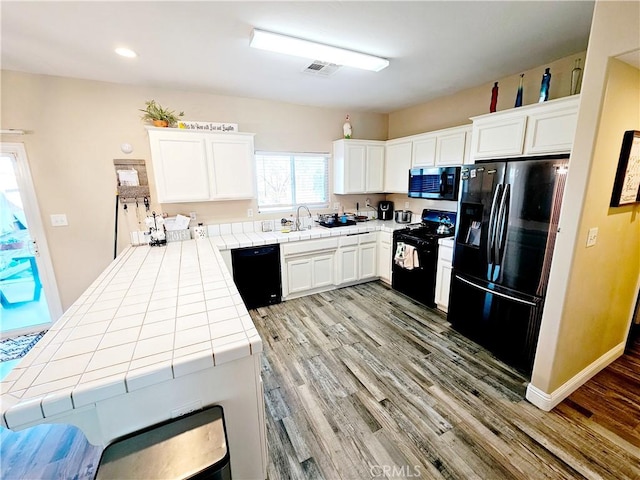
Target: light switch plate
<point x="592" y="236"/>
<point x="59" y="220"/>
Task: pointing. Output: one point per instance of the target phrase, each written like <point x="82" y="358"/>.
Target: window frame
<point x="326" y="156"/>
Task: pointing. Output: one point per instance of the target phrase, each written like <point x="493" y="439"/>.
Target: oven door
<point x="417" y="282"/>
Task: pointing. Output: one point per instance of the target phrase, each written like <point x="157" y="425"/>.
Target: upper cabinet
<point x="450" y="146"/>
<point x="191" y="166"/>
<point x="358" y="166"/>
<point x="543" y="128"/>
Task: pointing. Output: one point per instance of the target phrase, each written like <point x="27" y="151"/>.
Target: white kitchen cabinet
<point x="396" y="166"/>
<point x="191" y="166"/>
<point x="357" y="258"/>
<point x="423" y="152"/>
<point x="542" y="128"/>
<point x="308" y="266"/>
<point x="443" y="273"/>
<point x="385" y="244"/>
<point x="358" y="166"/>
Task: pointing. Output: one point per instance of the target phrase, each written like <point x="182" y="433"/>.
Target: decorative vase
<point x="544" y="87"/>
<point x="160" y="123"/>
<point x="494" y="98"/>
<point x="576" y="78"/>
<point x="519" y="94"/>
<point x="346" y="128"/>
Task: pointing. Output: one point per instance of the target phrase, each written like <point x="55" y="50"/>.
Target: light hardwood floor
<point x="362" y="382"/>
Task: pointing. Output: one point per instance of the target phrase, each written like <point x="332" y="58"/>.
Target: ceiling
<point x="434" y="48"/>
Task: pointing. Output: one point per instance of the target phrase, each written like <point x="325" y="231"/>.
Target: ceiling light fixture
<point x="298" y="47"/>
<point x="126" y="52"/>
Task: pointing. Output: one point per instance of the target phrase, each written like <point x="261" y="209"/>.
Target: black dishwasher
<point x="256" y="273"/>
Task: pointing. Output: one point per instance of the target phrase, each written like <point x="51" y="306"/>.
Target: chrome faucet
<point x="297" y="224"/>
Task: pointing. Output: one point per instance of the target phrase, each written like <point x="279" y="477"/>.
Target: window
<point x="286" y="180"/>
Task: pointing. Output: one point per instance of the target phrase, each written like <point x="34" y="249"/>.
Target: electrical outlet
<point x="186" y="409"/>
<point x="367" y="202"/>
<point x="249" y="212"/>
<point x="336" y="206"/>
<point x="406" y="205"/>
<point x="192" y="215"/>
<point x="59" y="220"/>
<point x="592" y="236"/>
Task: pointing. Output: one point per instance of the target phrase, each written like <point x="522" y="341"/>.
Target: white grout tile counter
<point x="162" y="331"/>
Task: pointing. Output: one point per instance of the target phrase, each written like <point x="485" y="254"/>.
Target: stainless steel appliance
<point x="435" y="183"/>
<point x="417" y="278"/>
<point x="403" y="216"/>
<point x="507" y="223"/>
<point x="385" y="210"/>
<point x="265" y="262"/>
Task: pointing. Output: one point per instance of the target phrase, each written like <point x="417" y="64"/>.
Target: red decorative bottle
<point x="494" y="98"/>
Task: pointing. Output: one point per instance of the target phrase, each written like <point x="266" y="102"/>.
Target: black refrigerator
<point x="505" y="234"/>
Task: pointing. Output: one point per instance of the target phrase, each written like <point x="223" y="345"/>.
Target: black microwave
<point x="435" y="183"/>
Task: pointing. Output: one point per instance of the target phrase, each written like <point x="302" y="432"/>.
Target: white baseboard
<point x="546" y="401"/>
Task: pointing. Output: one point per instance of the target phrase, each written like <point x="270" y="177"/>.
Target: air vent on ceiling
<point x="321" y="69"/>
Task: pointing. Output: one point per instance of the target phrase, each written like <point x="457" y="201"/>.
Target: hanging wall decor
<point x="626" y="188"/>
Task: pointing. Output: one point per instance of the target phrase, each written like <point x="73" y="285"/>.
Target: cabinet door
<point x="450" y="149"/>
<point x="355" y="168"/>
<point x="347" y="264"/>
<point x="323" y="270"/>
<point x="233" y="167"/>
<point x="396" y="167"/>
<point x="498" y="138"/>
<point x="551" y="131"/>
<point x="384" y="262"/>
<point x="424" y="151"/>
<point x="368" y="261"/>
<point x="299" y="275"/>
<point x="375" y="169"/>
<point x="180" y="167"/>
<point x="443" y="285"/>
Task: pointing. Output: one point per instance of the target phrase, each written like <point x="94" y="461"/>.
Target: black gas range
<point x="415" y="255"/>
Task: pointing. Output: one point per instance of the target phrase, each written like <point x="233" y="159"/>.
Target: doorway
<point x="28" y="292"/>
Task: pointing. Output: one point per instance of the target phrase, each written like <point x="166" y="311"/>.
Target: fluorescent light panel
<point x="275" y="42"/>
<point x="126" y="52"/>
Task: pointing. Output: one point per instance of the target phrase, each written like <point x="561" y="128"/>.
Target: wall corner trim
<point x="547" y="402"/>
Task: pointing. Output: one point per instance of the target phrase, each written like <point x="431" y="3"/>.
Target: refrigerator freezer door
<point x="502" y="321"/>
<point x="477" y="218"/>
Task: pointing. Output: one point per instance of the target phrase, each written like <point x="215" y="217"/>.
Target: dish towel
<point x="406" y="256"/>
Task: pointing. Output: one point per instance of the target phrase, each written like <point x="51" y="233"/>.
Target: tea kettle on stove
<point x="445" y="225"/>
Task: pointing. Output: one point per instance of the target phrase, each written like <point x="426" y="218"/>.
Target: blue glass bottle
<point x="544" y="87"/>
<point x="519" y="94"/>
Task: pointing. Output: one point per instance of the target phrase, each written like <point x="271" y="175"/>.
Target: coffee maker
<point x="385" y="210"/>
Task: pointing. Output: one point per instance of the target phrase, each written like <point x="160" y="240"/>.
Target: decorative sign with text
<point x="626" y="188"/>
<point x="208" y="126"/>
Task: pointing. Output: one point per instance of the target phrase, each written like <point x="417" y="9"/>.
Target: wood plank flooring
<point x="363" y="383"/>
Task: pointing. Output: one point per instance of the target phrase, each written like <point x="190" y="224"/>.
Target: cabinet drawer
<point x="367" y="237"/>
<point x="297" y="248"/>
<point x="348" y="240"/>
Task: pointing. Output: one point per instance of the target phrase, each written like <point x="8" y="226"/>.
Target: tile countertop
<point x="154" y="314"/>
<point x="240" y="235"/>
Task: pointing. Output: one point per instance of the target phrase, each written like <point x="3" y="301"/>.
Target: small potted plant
<point x="159" y="116"/>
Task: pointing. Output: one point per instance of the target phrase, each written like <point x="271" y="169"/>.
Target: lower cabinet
<point x="385" y="244"/>
<point x="308" y="266"/>
<point x="443" y="274"/>
<point x="309" y="272"/>
<point x="357" y="258"/>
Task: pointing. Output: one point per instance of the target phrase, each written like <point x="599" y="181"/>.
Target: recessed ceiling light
<point x="276" y="42"/>
<point x="126" y="52"/>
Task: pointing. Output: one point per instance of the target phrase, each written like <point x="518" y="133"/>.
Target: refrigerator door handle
<point x="491" y="233"/>
<point x="493" y="292"/>
<point x="503" y="223"/>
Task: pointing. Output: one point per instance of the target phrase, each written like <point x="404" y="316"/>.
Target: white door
<point x="368" y="260"/>
<point x="233" y="167"/>
<point x="323" y="270"/>
<point x="355" y="168"/>
<point x="28" y="291"/>
<point x="347" y="264"/>
<point x="375" y="168"/>
<point x="299" y="275"/>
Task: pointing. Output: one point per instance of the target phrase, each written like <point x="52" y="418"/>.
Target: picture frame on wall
<point x="626" y="187"/>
